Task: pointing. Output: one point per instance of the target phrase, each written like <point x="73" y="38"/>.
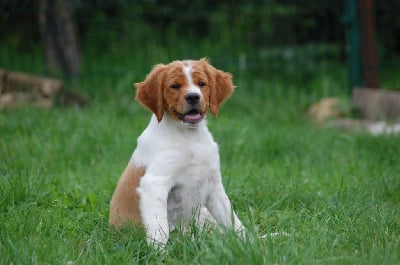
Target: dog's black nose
<point x="192" y="98"/>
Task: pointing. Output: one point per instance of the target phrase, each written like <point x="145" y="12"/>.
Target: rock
<point x="372" y="127"/>
<point x="376" y="104"/>
<point x="325" y="109"/>
<point x="21" y="89"/>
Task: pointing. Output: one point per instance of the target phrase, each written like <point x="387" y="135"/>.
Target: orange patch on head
<point x="166" y="89"/>
<point x="150" y="91"/>
<point x="176" y="84"/>
<point x="219" y="82"/>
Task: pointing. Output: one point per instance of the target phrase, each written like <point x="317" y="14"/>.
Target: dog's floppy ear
<point x="150" y="92"/>
<point x="221" y="89"/>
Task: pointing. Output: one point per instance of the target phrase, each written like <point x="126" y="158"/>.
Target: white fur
<point x="192" y="87"/>
<point x="182" y="177"/>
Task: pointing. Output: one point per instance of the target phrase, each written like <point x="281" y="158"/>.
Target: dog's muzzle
<point x="192" y="114"/>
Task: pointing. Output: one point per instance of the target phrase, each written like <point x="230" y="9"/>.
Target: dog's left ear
<point x="150" y="92"/>
<point x="221" y="89"/>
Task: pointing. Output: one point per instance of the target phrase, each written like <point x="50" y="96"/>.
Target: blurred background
<point x="100" y="48"/>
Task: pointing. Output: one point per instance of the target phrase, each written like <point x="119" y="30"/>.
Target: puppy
<point x="173" y="176"/>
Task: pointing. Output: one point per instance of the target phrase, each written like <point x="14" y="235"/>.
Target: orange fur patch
<point x="124" y="206"/>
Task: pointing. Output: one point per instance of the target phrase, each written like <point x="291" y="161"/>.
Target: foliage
<point x="256" y="23"/>
<point x="388" y="27"/>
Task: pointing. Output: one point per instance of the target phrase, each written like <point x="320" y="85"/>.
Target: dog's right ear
<point x="149" y="92"/>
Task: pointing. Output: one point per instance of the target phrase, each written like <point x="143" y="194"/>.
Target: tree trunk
<point x="58" y="35"/>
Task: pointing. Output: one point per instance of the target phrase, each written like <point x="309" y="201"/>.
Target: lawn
<point x="333" y="196"/>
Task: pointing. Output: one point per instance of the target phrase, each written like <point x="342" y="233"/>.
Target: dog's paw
<point x="157" y="238"/>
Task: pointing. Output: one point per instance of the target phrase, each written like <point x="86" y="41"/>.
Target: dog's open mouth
<point x="192" y="116"/>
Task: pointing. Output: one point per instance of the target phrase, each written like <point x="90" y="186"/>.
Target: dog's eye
<point x="202" y="84"/>
<point x="175" y="86"/>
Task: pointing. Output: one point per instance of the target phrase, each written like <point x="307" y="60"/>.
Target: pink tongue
<point x="192" y="117"/>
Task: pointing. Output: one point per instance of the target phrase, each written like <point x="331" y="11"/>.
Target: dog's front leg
<point x="220" y="208"/>
<point x="153" y="206"/>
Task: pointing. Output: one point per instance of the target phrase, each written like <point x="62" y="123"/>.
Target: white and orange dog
<point x="173" y="176"/>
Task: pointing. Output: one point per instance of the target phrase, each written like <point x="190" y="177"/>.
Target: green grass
<point x="336" y="194"/>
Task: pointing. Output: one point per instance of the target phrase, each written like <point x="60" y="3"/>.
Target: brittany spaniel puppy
<point x="173" y="176"/>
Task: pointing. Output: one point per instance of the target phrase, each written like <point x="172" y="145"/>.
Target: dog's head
<point x="184" y="90"/>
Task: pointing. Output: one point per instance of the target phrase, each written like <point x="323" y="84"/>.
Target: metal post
<point x="350" y="20"/>
<point x="368" y="46"/>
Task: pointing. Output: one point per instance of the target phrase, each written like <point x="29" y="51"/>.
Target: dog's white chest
<point x="191" y="189"/>
<point x="184" y="160"/>
<point x="193" y="182"/>
<point x="188" y="162"/>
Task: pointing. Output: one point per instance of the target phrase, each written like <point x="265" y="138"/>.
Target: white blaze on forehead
<point x="187" y="69"/>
